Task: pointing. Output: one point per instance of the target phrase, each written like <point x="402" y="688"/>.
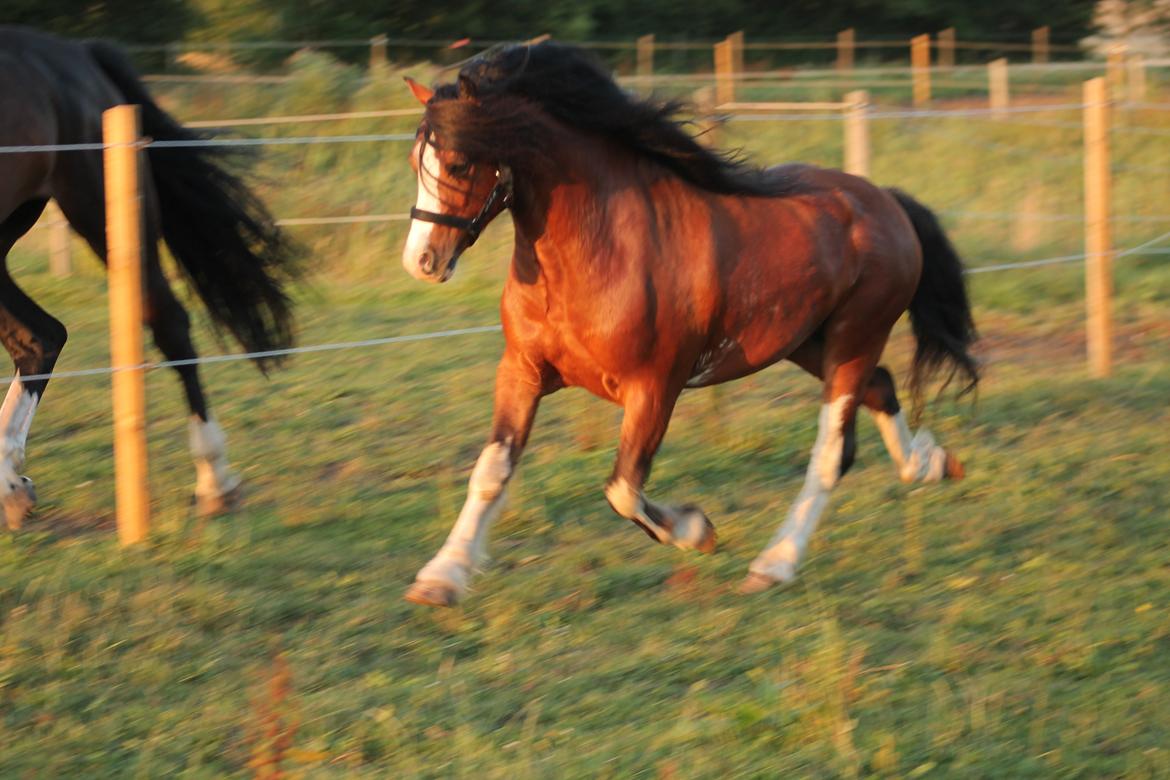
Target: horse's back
<point x="44" y="77"/>
<point x="51" y="92"/>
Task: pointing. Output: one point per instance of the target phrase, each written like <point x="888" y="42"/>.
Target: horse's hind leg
<point x="647" y="414"/>
<point x="916" y="456"/>
<point x="34" y="339"/>
<point x="216" y="485"/>
<point x="832" y="455"/>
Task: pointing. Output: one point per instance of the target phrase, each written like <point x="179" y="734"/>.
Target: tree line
<point x="165" y="21"/>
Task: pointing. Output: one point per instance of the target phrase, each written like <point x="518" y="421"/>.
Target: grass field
<point x="1011" y="625"/>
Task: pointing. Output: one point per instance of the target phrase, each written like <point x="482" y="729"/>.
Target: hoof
<point x="690" y="522"/>
<point x="710" y="540"/>
<point x="18" y="503"/>
<point x="431" y="594"/>
<point x="221" y="503"/>
<point x="755" y="583"/>
<point x="954" y="469"/>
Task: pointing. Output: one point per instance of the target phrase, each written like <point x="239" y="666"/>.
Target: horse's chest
<point x="598" y="352"/>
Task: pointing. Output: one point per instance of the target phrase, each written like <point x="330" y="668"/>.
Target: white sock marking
<point x="780" y="558"/>
<point x="465" y="548"/>
<point x="16" y="416"/>
<point x="917" y="457"/>
<point x="896" y="435"/>
<point x="687" y="532"/>
<point x="213" y="476"/>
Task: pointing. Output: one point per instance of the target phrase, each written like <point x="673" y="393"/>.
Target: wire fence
<point x="494" y="328"/>
<point x="1013" y="114"/>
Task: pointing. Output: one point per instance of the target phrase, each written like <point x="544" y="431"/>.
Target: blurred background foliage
<point x="165" y="21"/>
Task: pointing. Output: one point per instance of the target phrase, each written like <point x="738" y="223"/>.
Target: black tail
<point x="939" y="312"/>
<point x="223" y="237"/>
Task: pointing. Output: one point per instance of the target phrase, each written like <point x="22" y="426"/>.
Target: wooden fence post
<point x="60" y="243"/>
<point x="1135" y="79"/>
<point x="845" y="43"/>
<point x="1115" y="68"/>
<point x="857" y="133"/>
<point x="646" y="55"/>
<point x="946" y="48"/>
<point x="736" y="41"/>
<point x="378" y="53"/>
<point x="121" y="128"/>
<point x="1040" y="45"/>
<point x="1098" y="243"/>
<point x="920" y="65"/>
<point x="724" y="69"/>
<point x="997" y="84"/>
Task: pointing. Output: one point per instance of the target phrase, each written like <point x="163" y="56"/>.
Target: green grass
<point x="1010" y="625"/>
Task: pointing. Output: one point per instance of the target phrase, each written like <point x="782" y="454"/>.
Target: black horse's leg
<point x="216" y="487"/>
<point x="34" y="339"/>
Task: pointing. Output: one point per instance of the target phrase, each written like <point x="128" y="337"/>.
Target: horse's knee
<point x="492" y="471"/>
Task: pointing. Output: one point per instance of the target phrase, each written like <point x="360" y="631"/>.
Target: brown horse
<point x="645" y="264"/>
<point x="53" y="93"/>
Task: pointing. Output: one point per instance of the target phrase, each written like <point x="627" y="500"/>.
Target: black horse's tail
<point x="221" y="234"/>
<point x="939" y="312"/>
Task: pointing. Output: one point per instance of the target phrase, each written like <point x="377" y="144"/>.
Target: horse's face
<point x="456" y="199"/>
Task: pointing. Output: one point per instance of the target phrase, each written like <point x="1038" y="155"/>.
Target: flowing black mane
<point x="487" y="114"/>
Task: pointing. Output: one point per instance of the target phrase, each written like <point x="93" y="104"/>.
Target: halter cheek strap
<point x="499" y="199"/>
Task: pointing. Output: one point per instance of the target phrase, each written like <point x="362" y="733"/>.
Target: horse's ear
<point x="421" y="93"/>
<point x="466" y="87"/>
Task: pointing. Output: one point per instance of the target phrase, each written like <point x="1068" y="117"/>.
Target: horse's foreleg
<point x="916" y="456"/>
<point x="34" y="339"/>
<point x="647" y="414"/>
<point x="445" y="579"/>
<point x="216" y="485"/>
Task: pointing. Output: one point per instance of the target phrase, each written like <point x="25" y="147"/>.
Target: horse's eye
<point x="458" y="170"/>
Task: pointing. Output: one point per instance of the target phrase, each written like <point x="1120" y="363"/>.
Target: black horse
<point x="53" y="92"/>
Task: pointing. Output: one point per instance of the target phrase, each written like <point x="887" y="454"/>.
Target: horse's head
<point x="457" y="198"/>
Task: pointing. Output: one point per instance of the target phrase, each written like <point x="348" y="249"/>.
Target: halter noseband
<point x="501" y="196"/>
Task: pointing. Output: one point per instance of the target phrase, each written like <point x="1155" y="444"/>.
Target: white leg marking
<point x="629" y="502"/>
<point x="689" y="531"/>
<point x="419" y="237"/>
<point x="896" y="435"/>
<point x="917" y="457"/>
<point x="780" y="558"/>
<point x="16" y="416"/>
<point x="214" y="479"/>
<point x="464" y="550"/>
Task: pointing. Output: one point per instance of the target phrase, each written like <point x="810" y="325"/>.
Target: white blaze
<point x="419" y="237"/>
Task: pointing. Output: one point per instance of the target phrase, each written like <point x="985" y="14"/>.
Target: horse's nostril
<point x="427" y="262"/>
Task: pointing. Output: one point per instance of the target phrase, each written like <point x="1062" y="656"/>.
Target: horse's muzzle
<point x="427" y="267"/>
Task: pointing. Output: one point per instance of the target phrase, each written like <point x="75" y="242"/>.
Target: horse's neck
<point x="566" y="223"/>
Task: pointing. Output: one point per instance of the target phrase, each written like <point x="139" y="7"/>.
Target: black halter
<point x="499" y="199"/>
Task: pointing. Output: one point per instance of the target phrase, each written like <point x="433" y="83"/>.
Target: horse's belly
<point x="764" y="339"/>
